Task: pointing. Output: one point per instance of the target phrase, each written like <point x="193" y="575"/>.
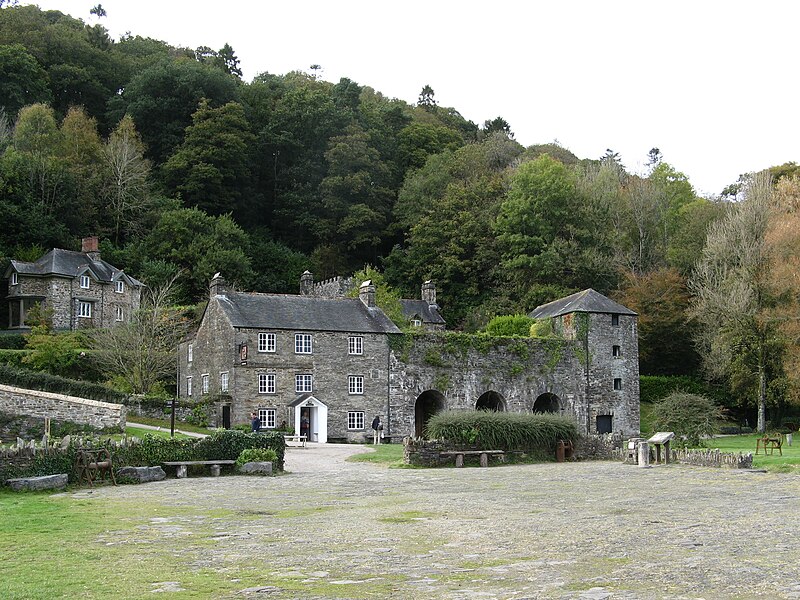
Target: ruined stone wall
<point x="101" y="415"/>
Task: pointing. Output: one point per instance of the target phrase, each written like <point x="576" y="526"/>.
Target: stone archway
<point x="546" y="403"/>
<point x="492" y="401"/>
<point x="428" y="404"/>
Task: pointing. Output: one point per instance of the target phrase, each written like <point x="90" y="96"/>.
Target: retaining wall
<point x="58" y="407"/>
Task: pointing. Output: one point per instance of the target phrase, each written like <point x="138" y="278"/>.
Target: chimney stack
<point x="429" y="293"/>
<point x="217" y="286"/>
<point x="366" y="293"/>
<point x="306" y="283"/>
<point x="91" y="246"/>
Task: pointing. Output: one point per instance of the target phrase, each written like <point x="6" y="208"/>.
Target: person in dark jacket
<point x="255" y="422"/>
<point x="377" y="429"/>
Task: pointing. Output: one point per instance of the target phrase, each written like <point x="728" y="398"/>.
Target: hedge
<point x="534" y="433"/>
<point x="12" y="341"/>
<point x="45" y="382"/>
<point x="12" y="357"/>
<point x="653" y="388"/>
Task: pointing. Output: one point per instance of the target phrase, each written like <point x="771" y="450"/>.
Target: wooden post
<point x="47" y="426"/>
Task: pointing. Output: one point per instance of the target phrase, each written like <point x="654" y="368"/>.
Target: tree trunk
<point x="762" y="393"/>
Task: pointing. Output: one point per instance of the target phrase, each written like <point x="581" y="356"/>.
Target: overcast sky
<point x="713" y="84"/>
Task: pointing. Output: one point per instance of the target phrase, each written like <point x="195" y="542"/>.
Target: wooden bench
<point x="770" y="443"/>
<point x="300" y="439"/>
<point x="484" y="454"/>
<point x="183" y="465"/>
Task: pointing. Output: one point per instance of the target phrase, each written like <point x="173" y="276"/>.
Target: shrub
<point x="46" y="382"/>
<point x="256" y="455"/>
<point x="510" y="325"/>
<point x="690" y="416"/>
<point x="13" y="357"/>
<point x="653" y="388"/>
<point x="13" y="341"/>
<point x="534" y="433"/>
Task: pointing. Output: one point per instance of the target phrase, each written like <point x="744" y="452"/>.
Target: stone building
<point x="336" y="362"/>
<point x="81" y="288"/>
<point x="424" y="312"/>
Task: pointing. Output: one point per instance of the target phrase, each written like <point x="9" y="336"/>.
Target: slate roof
<point x="426" y="312"/>
<point x="303" y="313"/>
<point x="587" y="301"/>
<point x="68" y="263"/>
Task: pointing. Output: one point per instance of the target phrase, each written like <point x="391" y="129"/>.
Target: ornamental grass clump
<point x="256" y="455"/>
<point x="536" y="433"/>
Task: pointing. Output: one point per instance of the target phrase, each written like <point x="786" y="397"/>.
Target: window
<point x="120" y="313"/>
<point x="189" y="353"/>
<point x="119" y="286"/>
<point x="615" y="320"/>
<point x="204" y="383"/>
<point x="302" y="383"/>
<point x="85" y="282"/>
<point x="266" y="342"/>
<point x="223" y="381"/>
<point x="416" y="322"/>
<point x="355" y="419"/>
<point x="85" y="310"/>
<point x="616" y="351"/>
<point x="189" y="386"/>
<point x="605" y="424"/>
<point x="14" y="278"/>
<point x="266" y="383"/>
<point x="267" y="417"/>
<point x="355" y="384"/>
<point x="356" y="344"/>
<point x="617" y="383"/>
<point x="302" y="343"/>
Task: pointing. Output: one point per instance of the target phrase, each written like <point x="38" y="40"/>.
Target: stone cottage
<point x="327" y="365"/>
<point x="81" y="288"/>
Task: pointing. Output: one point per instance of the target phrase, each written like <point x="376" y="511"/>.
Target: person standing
<point x="377" y="428"/>
<point x="255" y="422"/>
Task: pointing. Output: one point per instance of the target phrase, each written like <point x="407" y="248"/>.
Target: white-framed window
<point x="616" y="351"/>
<point x="303" y="383"/>
<point x="14" y="278"/>
<point x="189" y="385"/>
<point x="302" y="343"/>
<point x="223" y="381"/>
<point x="617" y="383"/>
<point x="266" y="342"/>
<point x="85" y="282"/>
<point x="355" y="419"/>
<point x="266" y="383"/>
<point x="355" y="384"/>
<point x="267" y="417"/>
<point x="615" y="320"/>
<point x="204" y="383"/>
<point x="190" y="353"/>
<point x="355" y="344"/>
<point x="119" y="286"/>
<point x="416" y="322"/>
<point x="85" y="310"/>
<point x="120" y="313"/>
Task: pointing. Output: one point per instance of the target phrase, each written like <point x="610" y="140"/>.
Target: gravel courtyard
<point x="333" y="529"/>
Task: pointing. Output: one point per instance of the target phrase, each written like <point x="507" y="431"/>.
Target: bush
<point x="13" y="357"/>
<point x="691" y="417"/>
<point x="533" y="433"/>
<point x="46" y="382"/>
<point x="653" y="388"/>
<point x="510" y="325"/>
<point x="12" y="341"/>
<point x="256" y="455"/>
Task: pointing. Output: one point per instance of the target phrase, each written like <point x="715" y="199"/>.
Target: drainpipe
<point x="388" y="391"/>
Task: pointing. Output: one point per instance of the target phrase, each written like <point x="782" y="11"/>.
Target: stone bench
<point x="484" y="454"/>
<point x="35" y="484"/>
<point x="184" y="464"/>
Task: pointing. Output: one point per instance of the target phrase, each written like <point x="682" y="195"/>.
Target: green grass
<point x="141" y="432"/>
<point x="390" y="455"/>
<point x="164" y="423"/>
<point x="789" y="461"/>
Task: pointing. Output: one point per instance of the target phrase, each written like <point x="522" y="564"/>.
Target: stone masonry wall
<point x="102" y="415"/>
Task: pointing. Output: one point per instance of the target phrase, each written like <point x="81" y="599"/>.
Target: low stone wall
<point x="58" y="407"/>
<point x="424" y="453"/>
<point x="712" y="458"/>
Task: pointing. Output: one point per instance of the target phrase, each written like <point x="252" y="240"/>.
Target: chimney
<point x="366" y="293"/>
<point x="91" y="246"/>
<point x="217" y="286"/>
<point x="429" y="293"/>
<point x="306" y="283"/>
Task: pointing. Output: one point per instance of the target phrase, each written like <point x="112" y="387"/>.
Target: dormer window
<point x="416" y="322"/>
<point x="119" y="286"/>
<point x="84" y="282"/>
<point x="14" y="278"/>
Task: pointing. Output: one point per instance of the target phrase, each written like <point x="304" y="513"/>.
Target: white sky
<point x="711" y="83"/>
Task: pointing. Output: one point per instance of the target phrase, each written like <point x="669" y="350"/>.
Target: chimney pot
<point x="366" y="294"/>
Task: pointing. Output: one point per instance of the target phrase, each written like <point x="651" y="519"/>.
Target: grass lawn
<point x="390" y="455"/>
<point x="164" y="424"/>
<point x="788" y="462"/>
<point x="141" y="432"/>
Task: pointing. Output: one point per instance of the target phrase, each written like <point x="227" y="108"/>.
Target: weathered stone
<point x="33" y="484"/>
<point x="61" y="408"/>
<point x="256" y="468"/>
<point x="142" y="474"/>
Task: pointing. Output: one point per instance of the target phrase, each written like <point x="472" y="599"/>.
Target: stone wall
<point x="101" y="415"/>
<point x="712" y="457"/>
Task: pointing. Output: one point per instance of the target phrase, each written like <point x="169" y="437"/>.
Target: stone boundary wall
<point x="58" y="407"/>
<point x="424" y="453"/>
<point x="712" y="458"/>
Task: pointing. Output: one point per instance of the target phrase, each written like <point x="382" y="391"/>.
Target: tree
<point x="691" y="417"/>
<point x="142" y="352"/>
<point x="733" y="295"/>
<point x="22" y="80"/>
<point x="497" y="124"/>
<point x="426" y="99"/>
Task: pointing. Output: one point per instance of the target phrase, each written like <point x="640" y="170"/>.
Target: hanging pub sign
<point x="243" y="353"/>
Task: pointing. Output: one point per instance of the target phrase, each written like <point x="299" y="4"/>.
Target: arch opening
<point x="492" y="401"/>
<point x="428" y="404"/>
<point x="546" y="403"/>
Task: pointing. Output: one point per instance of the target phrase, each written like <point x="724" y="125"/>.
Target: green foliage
<point x="691" y="417"/>
<point x="386" y="297"/>
<point x="533" y="433"/>
<point x="256" y="455"/>
<point x="13" y="357"/>
<point x="542" y="328"/>
<point x="46" y="382"/>
<point x="510" y="325"/>
<point x="433" y="358"/>
<point x="62" y="354"/>
<point x="653" y="388"/>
